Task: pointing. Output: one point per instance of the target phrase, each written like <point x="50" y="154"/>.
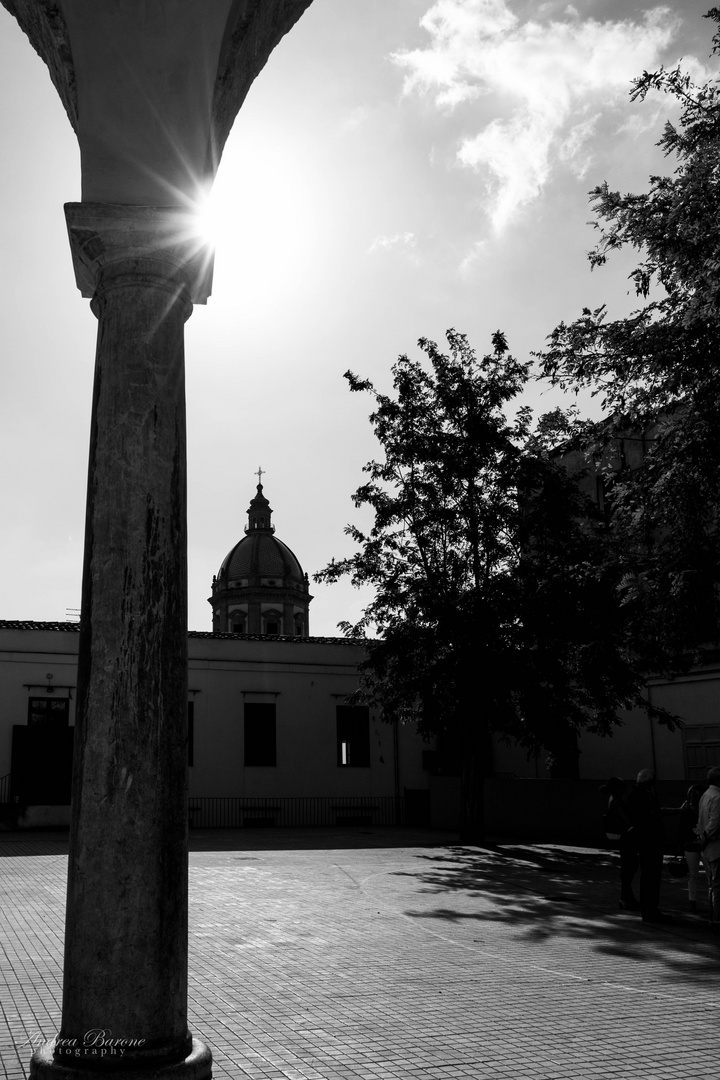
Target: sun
<point x="208" y="214"/>
<point x="267" y="222"/>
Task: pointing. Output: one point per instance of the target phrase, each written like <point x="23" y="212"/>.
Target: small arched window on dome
<point x="238" y="624"/>
<point x="298" y="626"/>
<point x="271" y="623"/>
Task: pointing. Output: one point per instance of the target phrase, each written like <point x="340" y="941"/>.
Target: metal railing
<point x="240" y="812"/>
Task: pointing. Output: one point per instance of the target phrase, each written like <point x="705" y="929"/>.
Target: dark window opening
<point x="48" y="712"/>
<point x="353" y="735"/>
<point x="41" y="764"/>
<point x="260" y="748"/>
<point x="701" y="749"/>
<point x="191" y="731"/>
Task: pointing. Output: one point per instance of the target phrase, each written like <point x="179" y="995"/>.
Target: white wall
<point x="305" y="680"/>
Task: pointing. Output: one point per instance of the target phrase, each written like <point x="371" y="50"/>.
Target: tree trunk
<point x="472" y="801"/>
<point x="476" y="765"/>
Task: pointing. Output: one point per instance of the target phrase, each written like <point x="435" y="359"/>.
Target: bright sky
<point x="399" y="167"/>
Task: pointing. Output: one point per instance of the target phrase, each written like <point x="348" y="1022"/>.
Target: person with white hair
<point x="708" y="828"/>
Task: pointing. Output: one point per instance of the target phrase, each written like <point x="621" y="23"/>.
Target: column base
<point x="196" y="1066"/>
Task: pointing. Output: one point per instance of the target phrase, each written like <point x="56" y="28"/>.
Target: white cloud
<point x="574" y="150"/>
<point x="476" y="254"/>
<point x="401" y="241"/>
<point x="549" y="85"/>
<point x="354" y="119"/>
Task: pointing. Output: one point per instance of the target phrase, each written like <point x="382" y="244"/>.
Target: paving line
<point x="693" y="1002"/>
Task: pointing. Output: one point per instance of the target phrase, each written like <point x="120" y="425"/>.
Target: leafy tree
<point x="492" y="607"/>
<point x="658" y="377"/>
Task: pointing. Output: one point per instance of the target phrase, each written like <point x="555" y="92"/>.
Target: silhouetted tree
<point x="658" y="375"/>
<point x="494" y="605"/>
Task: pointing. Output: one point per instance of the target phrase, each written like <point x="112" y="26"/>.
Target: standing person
<point x="644" y="811"/>
<point x="708" y="827"/>
<point x="690" y="841"/>
<point x="618" y="829"/>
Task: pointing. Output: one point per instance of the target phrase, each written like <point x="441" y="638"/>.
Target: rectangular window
<point x="191" y="731"/>
<point x="353" y="735"/>
<point x="260" y="734"/>
<point x="48" y="712"/>
<point x="701" y="749"/>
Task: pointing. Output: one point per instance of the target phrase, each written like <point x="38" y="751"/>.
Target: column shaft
<point x="126" y="930"/>
<point x="125" y="972"/>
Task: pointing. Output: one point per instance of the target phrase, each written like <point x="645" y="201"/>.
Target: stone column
<point x="125" y="986"/>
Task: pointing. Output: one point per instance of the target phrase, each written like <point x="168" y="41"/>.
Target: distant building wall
<point x="677" y="757"/>
<point x="27" y="656"/>
<point x="306" y="679"/>
<point x="302" y="680"/>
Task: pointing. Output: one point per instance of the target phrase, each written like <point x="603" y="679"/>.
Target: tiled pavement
<point x="395" y="955"/>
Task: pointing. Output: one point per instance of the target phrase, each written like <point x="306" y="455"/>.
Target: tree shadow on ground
<point x="544" y="892"/>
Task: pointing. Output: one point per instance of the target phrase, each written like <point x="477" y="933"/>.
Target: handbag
<point x="678" y="867"/>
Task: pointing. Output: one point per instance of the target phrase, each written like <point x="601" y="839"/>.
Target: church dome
<point x="260" y="587"/>
<point x="260" y="554"/>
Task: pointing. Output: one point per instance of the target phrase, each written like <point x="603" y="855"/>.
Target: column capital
<point x="105" y="234"/>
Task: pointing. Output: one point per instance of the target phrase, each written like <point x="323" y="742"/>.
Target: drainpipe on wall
<point x="396" y="758"/>
<point x="652" y="736"/>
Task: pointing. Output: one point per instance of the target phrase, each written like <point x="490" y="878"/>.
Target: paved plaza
<point x="387" y="954"/>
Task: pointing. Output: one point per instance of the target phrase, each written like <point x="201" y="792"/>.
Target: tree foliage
<point x="493" y="608"/>
<point x="658" y="377"/>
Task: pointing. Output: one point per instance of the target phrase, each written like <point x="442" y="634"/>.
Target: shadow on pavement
<point x="551" y="893"/>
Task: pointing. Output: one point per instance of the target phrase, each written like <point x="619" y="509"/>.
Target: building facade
<point x="273" y="733"/>
<point x="275" y="736"/>
<point x="268" y="719"/>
